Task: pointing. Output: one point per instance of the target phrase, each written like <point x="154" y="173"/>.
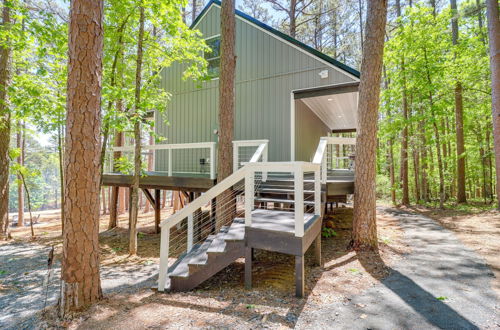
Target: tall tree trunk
<point x="194" y="5"/>
<point x="5" y="62"/>
<point x="459" y="115"/>
<point x="60" y="149"/>
<point x="361" y="25"/>
<point x="404" y="138"/>
<point x="226" y="102"/>
<point x="293" y="18"/>
<point x="494" y="36"/>
<point x="437" y="136"/>
<point x="134" y="208"/>
<point x="404" y="147"/>
<point x="364" y="235"/>
<point x="115" y="191"/>
<point x="20" y="189"/>
<point x="81" y="285"/>
<point x="489" y="167"/>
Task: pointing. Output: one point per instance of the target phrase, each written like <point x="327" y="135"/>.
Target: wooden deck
<point x="160" y="180"/>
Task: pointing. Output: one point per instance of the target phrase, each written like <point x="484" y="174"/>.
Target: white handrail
<point x="320" y="155"/>
<point x="204" y="198"/>
<point x="197" y="145"/>
<point x="262" y="151"/>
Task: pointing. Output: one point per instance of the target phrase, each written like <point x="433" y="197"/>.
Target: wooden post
<point x="248" y="267"/>
<point x="157" y="207"/>
<point x="299" y="276"/>
<point x="213" y="206"/>
<point x="317" y="250"/>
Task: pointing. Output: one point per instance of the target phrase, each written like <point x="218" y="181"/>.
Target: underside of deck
<point x="161" y="180"/>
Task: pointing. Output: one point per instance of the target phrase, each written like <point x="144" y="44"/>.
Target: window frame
<point x="213" y="58"/>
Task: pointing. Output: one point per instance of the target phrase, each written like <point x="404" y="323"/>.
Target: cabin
<point x="289" y="160"/>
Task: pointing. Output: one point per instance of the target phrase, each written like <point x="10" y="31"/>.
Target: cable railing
<point x="233" y="197"/>
<point x="335" y="153"/>
<point x="246" y="150"/>
<point x="174" y="159"/>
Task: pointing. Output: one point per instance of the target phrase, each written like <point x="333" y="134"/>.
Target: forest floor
<point x="127" y="280"/>
<point x="350" y="287"/>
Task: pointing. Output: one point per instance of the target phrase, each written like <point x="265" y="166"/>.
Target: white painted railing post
<point x="169" y="162"/>
<point x="212" y="161"/>
<point x="249" y="197"/>
<point x="190" y="233"/>
<point x="264" y="159"/>
<point x="236" y="156"/>
<point x="299" y="201"/>
<point x="324" y="169"/>
<point x="163" y="271"/>
<point x="317" y="192"/>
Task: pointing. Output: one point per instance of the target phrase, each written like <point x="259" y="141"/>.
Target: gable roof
<point x="281" y="35"/>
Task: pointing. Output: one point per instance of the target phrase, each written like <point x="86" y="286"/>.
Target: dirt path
<point x="441" y="284"/>
<point x="23" y="268"/>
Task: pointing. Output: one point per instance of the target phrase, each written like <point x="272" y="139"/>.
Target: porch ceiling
<point x="337" y="111"/>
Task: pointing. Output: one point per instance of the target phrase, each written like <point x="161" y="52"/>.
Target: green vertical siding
<point x="267" y="71"/>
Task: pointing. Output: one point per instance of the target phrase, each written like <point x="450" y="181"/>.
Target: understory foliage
<point x="421" y="61"/>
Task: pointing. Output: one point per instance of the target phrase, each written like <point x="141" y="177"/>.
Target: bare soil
<point x="222" y="301"/>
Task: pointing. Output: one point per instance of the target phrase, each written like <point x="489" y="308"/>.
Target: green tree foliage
<point x="432" y="65"/>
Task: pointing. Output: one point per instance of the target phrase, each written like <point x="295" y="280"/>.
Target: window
<point x="213" y="57"/>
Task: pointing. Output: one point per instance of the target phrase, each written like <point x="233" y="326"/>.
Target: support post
<point x="317" y="192"/>
<point x="212" y="161"/>
<point x="299" y="276"/>
<point x="299" y="201"/>
<point x="265" y="156"/>
<point x="317" y="250"/>
<point x="163" y="271"/>
<point x="157" y="206"/>
<point x="190" y="232"/>
<point x="249" y="197"/>
<point x="235" y="156"/>
<point x="248" y="267"/>
<point x="324" y="170"/>
<point x="213" y="206"/>
<point x="169" y="162"/>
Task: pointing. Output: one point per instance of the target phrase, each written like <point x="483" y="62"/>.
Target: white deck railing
<point x="245" y="151"/>
<point x="327" y="157"/>
<point x="246" y="174"/>
<point x="209" y="146"/>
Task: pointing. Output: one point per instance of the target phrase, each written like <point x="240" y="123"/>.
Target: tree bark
<point x="226" y="106"/>
<point x="459" y="115"/>
<point x="293" y="18"/>
<point x="5" y="62"/>
<point x="81" y="284"/>
<point x="364" y="235"/>
<point x="20" y="189"/>
<point x="115" y="191"/>
<point x="494" y="37"/>
<point x="134" y="207"/>
<point x="194" y="5"/>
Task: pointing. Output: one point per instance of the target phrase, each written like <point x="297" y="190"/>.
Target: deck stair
<point x="280" y="192"/>
<point x="208" y="258"/>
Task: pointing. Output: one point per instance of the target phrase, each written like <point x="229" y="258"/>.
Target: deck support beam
<point x="157" y="207"/>
<point x="248" y="267"/>
<point x="317" y="251"/>
<point x="299" y="276"/>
